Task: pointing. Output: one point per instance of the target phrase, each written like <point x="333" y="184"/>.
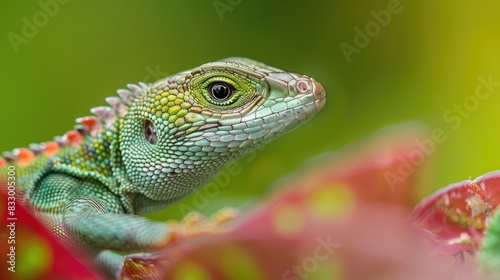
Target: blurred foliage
<point x="490" y="257"/>
<point x="425" y="60"/>
<point x="334" y="217"/>
<point x="32" y="252"/>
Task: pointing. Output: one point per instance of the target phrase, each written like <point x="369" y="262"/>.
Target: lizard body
<point x="155" y="144"/>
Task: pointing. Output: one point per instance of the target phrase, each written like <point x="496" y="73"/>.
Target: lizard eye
<point x="220" y="91"/>
<point x="149" y="132"/>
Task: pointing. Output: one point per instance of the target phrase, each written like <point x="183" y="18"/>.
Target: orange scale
<point x="73" y="137"/>
<point x="90" y="122"/>
<point x="25" y="156"/>
<point x="51" y="148"/>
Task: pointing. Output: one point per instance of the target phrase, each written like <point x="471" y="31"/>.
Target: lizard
<point x="153" y="145"/>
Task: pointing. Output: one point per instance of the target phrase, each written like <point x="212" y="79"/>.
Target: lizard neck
<point x="92" y="155"/>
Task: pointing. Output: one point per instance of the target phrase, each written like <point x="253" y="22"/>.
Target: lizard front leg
<point x="82" y="210"/>
<point x="88" y="212"/>
<point x="85" y="211"/>
<point x="87" y="219"/>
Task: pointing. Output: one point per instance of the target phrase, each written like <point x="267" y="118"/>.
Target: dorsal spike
<point x="24" y="156"/>
<point x="73" y="138"/>
<point x="61" y="142"/>
<point x="144" y="86"/>
<point x="9" y="157"/>
<point x="126" y="95"/>
<point x="82" y="129"/>
<point x="37" y="149"/>
<point x="50" y="148"/>
<point x="104" y="113"/>
<point x="117" y="104"/>
<point x="92" y="123"/>
<point x="135" y="89"/>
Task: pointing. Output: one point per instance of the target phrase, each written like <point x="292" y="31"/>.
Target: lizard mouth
<point x="320" y="103"/>
<point x="319" y="95"/>
<point x="308" y="110"/>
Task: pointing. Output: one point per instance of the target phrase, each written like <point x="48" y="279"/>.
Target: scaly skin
<point x="156" y="144"/>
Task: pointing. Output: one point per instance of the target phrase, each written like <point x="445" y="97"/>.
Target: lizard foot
<point x="195" y="224"/>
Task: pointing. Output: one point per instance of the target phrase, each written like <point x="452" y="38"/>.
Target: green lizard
<point x="154" y="145"/>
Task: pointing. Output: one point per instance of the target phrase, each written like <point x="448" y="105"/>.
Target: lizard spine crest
<point x="103" y="117"/>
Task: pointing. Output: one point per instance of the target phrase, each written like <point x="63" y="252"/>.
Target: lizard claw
<point x="195" y="224"/>
<point x="224" y="216"/>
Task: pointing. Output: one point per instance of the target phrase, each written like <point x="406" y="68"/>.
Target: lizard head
<point x="182" y="130"/>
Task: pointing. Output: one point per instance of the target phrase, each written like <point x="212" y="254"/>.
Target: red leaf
<point x="334" y="220"/>
<point x="455" y="217"/>
<point x="36" y="253"/>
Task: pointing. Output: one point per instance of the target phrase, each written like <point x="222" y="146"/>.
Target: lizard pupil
<point x="149" y="132"/>
<point x="220" y="91"/>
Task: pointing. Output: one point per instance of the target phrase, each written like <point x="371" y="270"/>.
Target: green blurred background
<point x="425" y="60"/>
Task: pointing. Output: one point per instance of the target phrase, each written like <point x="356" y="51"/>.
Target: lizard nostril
<point x="302" y="86"/>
